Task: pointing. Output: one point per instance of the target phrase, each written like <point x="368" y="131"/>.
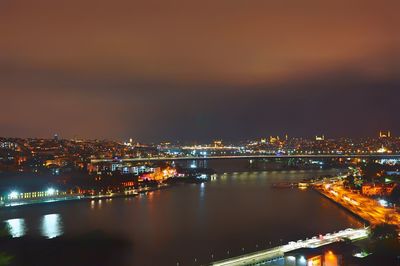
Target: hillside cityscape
<point x="46" y="171"/>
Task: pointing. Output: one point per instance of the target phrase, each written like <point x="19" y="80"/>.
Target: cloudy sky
<point x="198" y="70"/>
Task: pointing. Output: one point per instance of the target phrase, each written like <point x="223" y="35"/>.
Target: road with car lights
<point x="367" y="208"/>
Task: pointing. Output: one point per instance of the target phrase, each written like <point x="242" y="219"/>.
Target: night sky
<point x="198" y="70"/>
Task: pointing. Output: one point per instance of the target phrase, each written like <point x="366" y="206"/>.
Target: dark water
<point x="184" y="223"/>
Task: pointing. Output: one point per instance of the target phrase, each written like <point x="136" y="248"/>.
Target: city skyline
<point x="381" y="134"/>
<point x="162" y="69"/>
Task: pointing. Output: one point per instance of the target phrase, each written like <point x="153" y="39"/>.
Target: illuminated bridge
<point x="250" y="157"/>
<point x="278" y="252"/>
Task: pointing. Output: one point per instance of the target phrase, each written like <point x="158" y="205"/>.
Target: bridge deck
<point x="271" y="156"/>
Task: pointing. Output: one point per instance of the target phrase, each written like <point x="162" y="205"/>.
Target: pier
<point x="279" y="251"/>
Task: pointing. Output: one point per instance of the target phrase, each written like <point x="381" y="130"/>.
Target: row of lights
<point x="49" y="192"/>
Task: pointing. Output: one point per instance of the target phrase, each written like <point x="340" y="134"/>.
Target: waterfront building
<point x="25" y="195"/>
<point x="336" y="254"/>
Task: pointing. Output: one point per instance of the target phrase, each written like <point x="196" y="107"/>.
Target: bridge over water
<point x="250" y="157"/>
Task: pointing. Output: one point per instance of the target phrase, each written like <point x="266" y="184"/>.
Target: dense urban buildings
<point x="34" y="171"/>
<point x="57" y="167"/>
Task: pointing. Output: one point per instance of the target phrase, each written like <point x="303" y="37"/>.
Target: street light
<point x="13" y="195"/>
<point x="50" y="192"/>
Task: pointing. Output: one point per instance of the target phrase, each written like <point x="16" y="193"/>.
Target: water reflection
<point x="16" y="227"/>
<point x="250" y="211"/>
<point x="52" y="225"/>
<point x="202" y="190"/>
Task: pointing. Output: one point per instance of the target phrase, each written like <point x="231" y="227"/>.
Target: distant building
<point x="320" y="138"/>
<point x="384" y="134"/>
<point x="218" y="143"/>
<point x="273" y="139"/>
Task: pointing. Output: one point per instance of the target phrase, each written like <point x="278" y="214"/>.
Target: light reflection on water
<point x="202" y="190"/>
<point x="231" y="212"/>
<point x="16" y="227"/>
<point x="51" y="225"/>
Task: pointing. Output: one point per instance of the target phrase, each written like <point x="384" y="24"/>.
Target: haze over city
<point x="159" y="70"/>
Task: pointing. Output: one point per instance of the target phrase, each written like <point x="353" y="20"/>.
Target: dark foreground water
<point x="234" y="212"/>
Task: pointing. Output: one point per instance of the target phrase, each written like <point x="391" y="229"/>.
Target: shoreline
<point x="142" y="191"/>
<point x="86" y="198"/>
<point x="356" y="215"/>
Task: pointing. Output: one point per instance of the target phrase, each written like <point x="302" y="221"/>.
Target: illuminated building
<point x="130" y="143"/>
<point x="329" y="255"/>
<point x="15" y="195"/>
<point x="384" y="134"/>
<point x="273" y="139"/>
<point x="158" y="175"/>
<point x="303" y="185"/>
<point x="115" y="166"/>
<point x="320" y="138"/>
<point x="382" y="150"/>
<point x="218" y="143"/>
<point x="372" y="189"/>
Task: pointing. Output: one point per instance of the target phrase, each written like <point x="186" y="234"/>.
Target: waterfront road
<point x="278" y="252"/>
<point x="365" y="207"/>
